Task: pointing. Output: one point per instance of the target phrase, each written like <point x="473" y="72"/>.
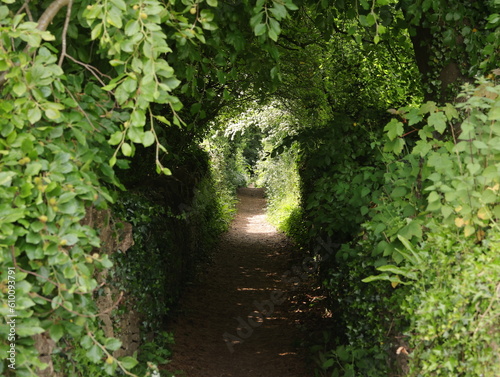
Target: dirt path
<point x="214" y="335"/>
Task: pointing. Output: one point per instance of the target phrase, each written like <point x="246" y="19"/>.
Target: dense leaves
<point x="83" y="83"/>
<point x="88" y="86"/>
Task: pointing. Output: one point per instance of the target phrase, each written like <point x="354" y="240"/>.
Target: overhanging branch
<point x="43" y="22"/>
<point x="49" y="14"/>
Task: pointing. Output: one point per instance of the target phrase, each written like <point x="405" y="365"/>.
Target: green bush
<point x="418" y="215"/>
<point x="281" y="180"/>
<point x="454" y="307"/>
<point x="443" y="196"/>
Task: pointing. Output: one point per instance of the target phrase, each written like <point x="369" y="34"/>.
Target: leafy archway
<point x="86" y="85"/>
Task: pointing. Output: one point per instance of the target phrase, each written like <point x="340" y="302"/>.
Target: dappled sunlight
<point x="257" y="224"/>
<point x="254" y="289"/>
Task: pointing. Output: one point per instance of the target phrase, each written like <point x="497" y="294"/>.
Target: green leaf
<point x="162" y="119"/>
<point x="120" y="4"/>
<point x="363" y="21"/>
<point x="33" y="237"/>
<point x="116" y="138"/>
<point x="395" y="146"/>
<point x="94" y="354"/>
<point x="19" y="89"/>
<point x="260" y="29"/>
<point x="148" y="139"/>
<point x="52" y="114"/>
<point x="114" y="18"/>
<point x="130" y="85"/>
<point x="272" y="34"/>
<point x="138" y="118"/>
<point x="33" y="168"/>
<point x="106" y="262"/>
<point x="342" y="353"/>
<point x="438" y="121"/>
<point x="6" y="178"/>
<point x="56" y="332"/>
<point x="290" y="5"/>
<point x="494" y="113"/>
<point x="27" y="330"/>
<point x="34" y="115"/>
<point x="275" y="26"/>
<point x="212" y="3"/>
<point x="86" y="342"/>
<point x="10" y="215"/>
<point x="394" y="129"/>
<point x="416" y="258"/>
<point x="112" y="344"/>
<point x="428" y="107"/>
<point x="371" y="19"/>
<point x="128" y="362"/>
<point x="413" y="229"/>
<point x="257" y="19"/>
<point x="207" y="15"/>
<point x="71" y="208"/>
<point x="327" y="364"/>
<point x="127" y="149"/>
<point x="421" y="148"/>
<point x="96" y="31"/>
<point x="278" y="10"/>
<point x="132" y="27"/>
<point x="4" y="12"/>
<point x="406" y="272"/>
<point x="172" y="82"/>
<point x="398" y="192"/>
<point x="391" y="278"/>
<point x="433" y="197"/>
<point x="450" y="111"/>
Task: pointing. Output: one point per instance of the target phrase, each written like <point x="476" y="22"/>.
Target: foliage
<point x="72" y="358"/>
<point x="454" y="307"/>
<point x="155" y="351"/>
<point x="149" y="270"/>
<point x="212" y="211"/>
<point x="464" y="35"/>
<point x="228" y="163"/>
<point x="450" y="234"/>
<point x="280" y="178"/>
<point x="168" y="245"/>
<point x="83" y="84"/>
<point x="435" y="172"/>
<point x="430" y="228"/>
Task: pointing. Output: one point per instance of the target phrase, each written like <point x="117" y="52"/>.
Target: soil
<point x="239" y="320"/>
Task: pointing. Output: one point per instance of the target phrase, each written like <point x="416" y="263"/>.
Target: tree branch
<point x="90" y="68"/>
<point x="65" y="31"/>
<point x="49" y="14"/>
<point x="27" y="8"/>
<point x="44" y="21"/>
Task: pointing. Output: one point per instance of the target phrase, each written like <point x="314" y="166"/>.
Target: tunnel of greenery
<point x="127" y="125"/>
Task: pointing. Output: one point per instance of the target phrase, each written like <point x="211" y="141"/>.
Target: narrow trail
<point x="246" y="275"/>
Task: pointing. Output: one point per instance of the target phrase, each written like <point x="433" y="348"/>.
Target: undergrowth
<point x="415" y="284"/>
<point x="279" y="176"/>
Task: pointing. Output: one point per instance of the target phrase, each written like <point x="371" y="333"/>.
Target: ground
<point x="219" y="331"/>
